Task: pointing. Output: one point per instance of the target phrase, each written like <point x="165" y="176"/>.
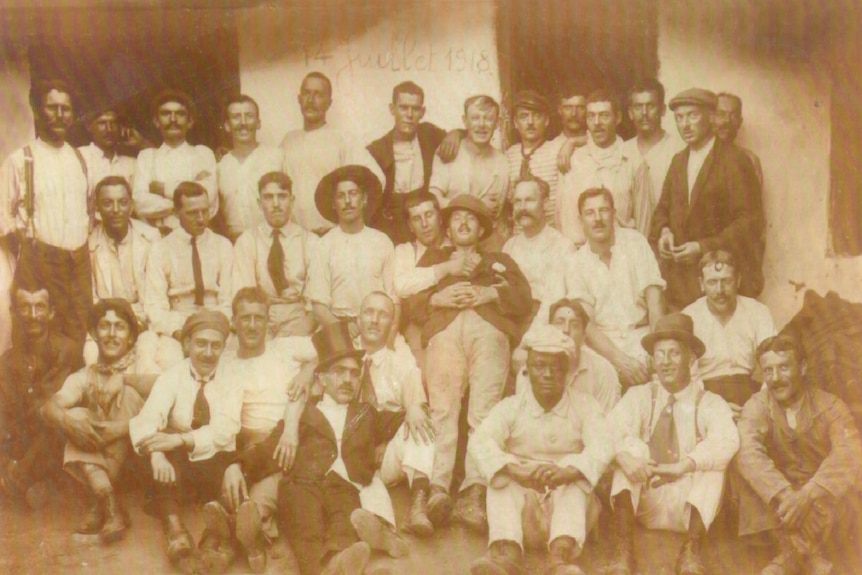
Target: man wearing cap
<point x="711" y="200"/>
<point x="547" y="441"/>
<point x="186" y="431"/>
<point x="159" y="171"/>
<point x="275" y="256"/>
<point x="673" y="444"/>
<point x="470" y="324"/>
<point x="801" y="457"/>
<point x="102" y="155"/>
<point x="351" y="260"/>
<point x="93" y="409"/>
<point x="728" y="121"/>
<point x="332" y="481"/>
<point x="479" y="168"/>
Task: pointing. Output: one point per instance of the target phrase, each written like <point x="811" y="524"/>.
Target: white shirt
<point x="172" y="166"/>
<point x="409" y="167"/>
<point x="397" y="379"/>
<point x="348" y="267"/>
<point x="60" y="218"/>
<point x="539" y="259"/>
<point x="656" y="163"/>
<point x="169" y="295"/>
<point x="237" y="186"/>
<point x="100" y="166"/>
<point x="543" y="164"/>
<point x="336" y="414"/>
<point x="696" y="158"/>
<point x="730" y="348"/>
<point x="486" y="177"/>
<point x="170" y="405"/>
<point x="408" y="279"/>
<point x="252" y="250"/>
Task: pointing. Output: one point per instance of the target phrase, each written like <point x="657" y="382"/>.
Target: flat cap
<point x="206" y="319"/>
<point x="694" y="97"/>
<point x="531" y="100"/>
<point x="548" y="339"/>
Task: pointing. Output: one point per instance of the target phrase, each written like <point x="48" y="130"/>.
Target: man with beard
<point x="45" y="212"/>
<point x="242" y="167"/>
<point x="161" y="170"/>
<point x="316" y="150"/>
<point x="275" y="256"/>
<point x="728" y="121"/>
<point x="93" y="409"/>
<point x="616" y="278"/>
<point x="651" y="147"/>
<point x="601" y="163"/>
<point x="101" y="154"/>
<point x="470" y="324"/>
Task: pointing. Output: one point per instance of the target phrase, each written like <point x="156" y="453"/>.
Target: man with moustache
<point x="242" y="167"/>
<point x="601" y="163"/>
<point x="711" y="200"/>
<point x="674" y="442"/>
<point x="651" y="147"/>
<point x="45" y="211"/>
<point x="275" y="256"/>
<point x="102" y="154"/>
<point x="572" y="108"/>
<point x="317" y="149"/>
<point x="470" y="324"/>
<point x="161" y="170"/>
<point x="801" y="456"/>
<point x="616" y="278"/>
<point x="728" y="121"/>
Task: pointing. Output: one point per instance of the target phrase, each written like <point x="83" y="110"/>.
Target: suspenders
<point x="653" y="387"/>
<point x="30" y="190"/>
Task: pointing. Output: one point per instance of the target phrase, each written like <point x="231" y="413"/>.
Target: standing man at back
<point x="728" y="121"/>
<point x="102" y="155"/>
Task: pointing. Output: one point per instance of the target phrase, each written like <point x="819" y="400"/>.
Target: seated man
<point x="731" y="326"/>
<point x="801" y="457"/>
<point x="30" y="373"/>
<point x="93" y="409"/>
<point x="187" y="432"/>
<point x="275" y="256"/>
<point x="549" y="438"/>
<point x="589" y="373"/>
<point x="332" y="480"/>
<point x="674" y="441"/>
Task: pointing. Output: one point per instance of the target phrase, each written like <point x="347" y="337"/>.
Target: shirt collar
<point x="704" y="150"/>
<point x="187" y="237"/>
<point x="536" y="410"/>
<point x="166" y="149"/>
<point x="199" y="378"/>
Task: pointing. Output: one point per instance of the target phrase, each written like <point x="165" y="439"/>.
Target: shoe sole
<point x="351" y="561"/>
<point x="378" y="536"/>
<point x="217" y="521"/>
<point x="439" y="509"/>
<point x="249" y="532"/>
<point x="421" y="530"/>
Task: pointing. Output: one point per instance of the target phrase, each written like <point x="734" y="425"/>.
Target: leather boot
<point x="788" y="561"/>
<point x="439" y="506"/>
<point x="249" y="533"/>
<point x="503" y="558"/>
<point x="377" y="534"/>
<point x="116" y="522"/>
<point x="93" y="519"/>
<point x="561" y="555"/>
<point x="689" y="561"/>
<point x="215" y="554"/>
<point x="623" y="549"/>
<point x="470" y="509"/>
<point x="180" y="542"/>
<point x="417" y="521"/>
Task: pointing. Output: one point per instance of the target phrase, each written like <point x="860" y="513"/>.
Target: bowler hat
<point x="531" y="100"/>
<point x="676" y="326"/>
<point x="359" y="175"/>
<point x="471" y="204"/>
<point x="694" y="97"/>
<point x="120" y="307"/>
<point x="333" y="342"/>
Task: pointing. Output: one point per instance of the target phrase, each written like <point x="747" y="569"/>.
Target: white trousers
<point x="404" y="457"/>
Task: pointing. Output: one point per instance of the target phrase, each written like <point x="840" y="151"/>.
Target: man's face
<point x="242" y="122"/>
<point x="33" y="311"/>
<point x="204" y="348"/>
<point x="375" y="321"/>
<point x="728" y="119"/>
<point x="528" y="205"/>
<point x="567" y="321"/>
<point x="573" y="114"/>
<point x="720" y="283"/>
<point x="646" y="112"/>
<point x="480" y="121"/>
<point x="597" y="218"/>
<point x="341" y="379"/>
<point x="250" y="323"/>
<point x="349" y="202"/>
<point x="55" y="116"/>
<point x="276" y="204"/>
<point x="602" y="123"/>
<point x="425" y="223"/>
<point x="314" y="100"/>
<point x="113" y="336"/>
<point x="672" y="360"/>
<point x="464" y="228"/>
<point x="694" y="124"/>
<point x="408" y="110"/>
<point x="782" y="373"/>
<point x="115" y="207"/>
<point x="105" y="131"/>
<point x="173" y="121"/>
<point x="547" y="372"/>
<point x="194" y="214"/>
<point x="531" y="125"/>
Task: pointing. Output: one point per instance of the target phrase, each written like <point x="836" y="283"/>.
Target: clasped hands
<point x="542" y="476"/>
<point x="687" y="253"/>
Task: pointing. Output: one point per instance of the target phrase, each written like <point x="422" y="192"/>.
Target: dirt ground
<point x="36" y="542"/>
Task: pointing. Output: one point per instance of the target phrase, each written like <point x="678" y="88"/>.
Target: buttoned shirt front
<point x="397" y="379"/>
<point x="543" y="164"/>
<point x="409" y="168"/>
<point x="237" y="186"/>
<point x="539" y="258"/>
<point x="696" y="159"/>
<point x="100" y="165"/>
<point x="483" y="176"/>
<point x="250" y="267"/>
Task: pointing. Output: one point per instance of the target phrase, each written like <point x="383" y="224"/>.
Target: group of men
<point x="285" y="333"/>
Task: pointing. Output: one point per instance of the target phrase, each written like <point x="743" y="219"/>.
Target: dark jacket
<point x="725" y="212"/>
<point x="514" y="304"/>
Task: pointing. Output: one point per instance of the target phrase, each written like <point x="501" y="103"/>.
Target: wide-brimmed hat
<point x="359" y="175"/>
<point x="333" y="342"/>
<point x="694" y="97"/>
<point x="119" y="306"/>
<point x="676" y="326"/>
<point x="471" y="204"/>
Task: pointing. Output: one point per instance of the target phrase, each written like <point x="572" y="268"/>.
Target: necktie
<point x="275" y="263"/>
<point x="366" y="386"/>
<point x="197" y="272"/>
<point x="664" y="444"/>
<point x="525" y="164"/>
<point x="201" y="409"/>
